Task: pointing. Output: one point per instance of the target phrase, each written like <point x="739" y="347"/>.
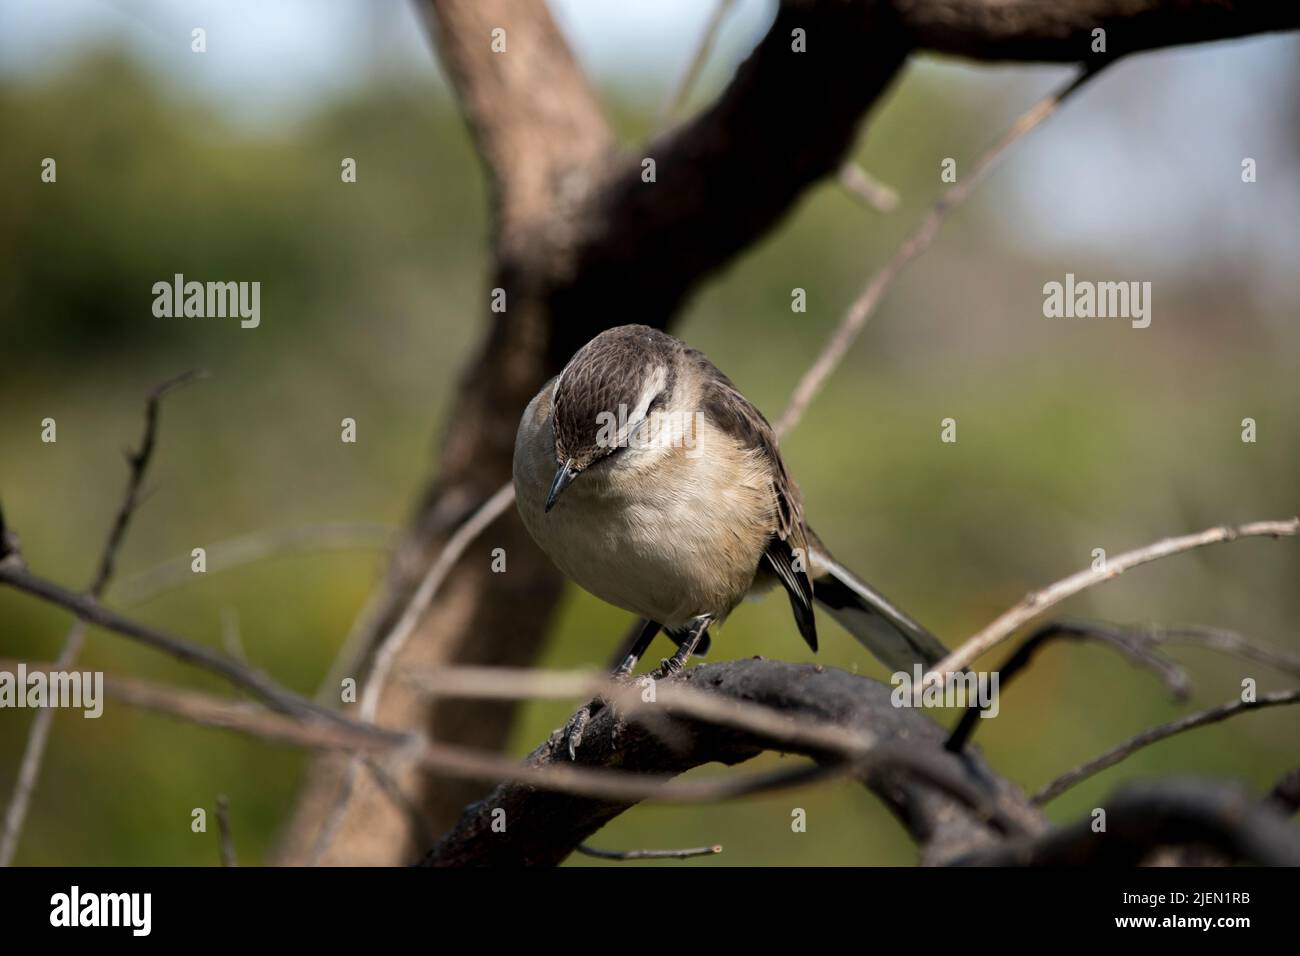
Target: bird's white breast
<point x="664" y="534"/>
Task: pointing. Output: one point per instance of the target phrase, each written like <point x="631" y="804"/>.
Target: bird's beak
<point x="564" y="475"/>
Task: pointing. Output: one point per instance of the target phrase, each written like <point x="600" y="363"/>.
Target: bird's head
<point x="609" y="400"/>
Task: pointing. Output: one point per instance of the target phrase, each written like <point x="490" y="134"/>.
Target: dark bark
<point x="543" y="827"/>
<point x="1220" y="822"/>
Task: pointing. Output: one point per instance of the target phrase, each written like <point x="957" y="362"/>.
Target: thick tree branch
<point x="1062" y="30"/>
<point x="543" y="828"/>
<point x="535" y="119"/>
<point x="1143" y="818"/>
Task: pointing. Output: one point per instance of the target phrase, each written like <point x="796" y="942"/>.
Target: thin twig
<point x="649" y="854"/>
<point x="867" y="189"/>
<point x="916" y="243"/>
<point x="255" y="546"/>
<point x="230" y="638"/>
<point x="224" y="837"/>
<point x="139" y="462"/>
<point x="240" y="716"/>
<point x="1227" y="642"/>
<point x="455" y="761"/>
<point x="779" y="729"/>
<point x="1134" y="644"/>
<point x="1156" y="734"/>
<point x="1038" y="602"/>
<point x="333" y="821"/>
<point x="677" y="101"/>
<point x="422" y="832"/>
<point x="29" y="766"/>
<point x="391" y="645"/>
<point x="237" y="673"/>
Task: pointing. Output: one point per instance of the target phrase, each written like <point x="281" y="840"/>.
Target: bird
<point x="651" y="481"/>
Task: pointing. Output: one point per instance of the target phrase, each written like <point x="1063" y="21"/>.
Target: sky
<point x="288" y="51"/>
<point x="1156" y="130"/>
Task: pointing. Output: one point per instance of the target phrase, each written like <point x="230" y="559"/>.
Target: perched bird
<point x="652" y="482"/>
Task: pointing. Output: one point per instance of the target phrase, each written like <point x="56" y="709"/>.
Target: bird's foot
<point x="668" y="667"/>
<point x="576" y="726"/>
<point x="571" y="736"/>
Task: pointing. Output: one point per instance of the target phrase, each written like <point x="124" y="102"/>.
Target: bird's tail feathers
<point x="894" y="638"/>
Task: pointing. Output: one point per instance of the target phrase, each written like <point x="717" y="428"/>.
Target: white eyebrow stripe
<point x="652" y="387"/>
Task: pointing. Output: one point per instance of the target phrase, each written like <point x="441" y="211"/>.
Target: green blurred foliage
<point x="1069" y="438"/>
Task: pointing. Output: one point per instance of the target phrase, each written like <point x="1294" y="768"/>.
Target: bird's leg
<point x="630" y="651"/>
<point x="634" y="647"/>
<point x="672" y="665"/>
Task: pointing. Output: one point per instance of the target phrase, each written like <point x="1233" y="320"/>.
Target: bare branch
<point x="1143" y="818"/>
<point x="392" y="644"/>
<point x="255" y="546"/>
<point x="1227" y="642"/>
<point x="236" y="672"/>
<point x="461" y="763"/>
<point x="648" y="854"/>
<point x="687" y="83"/>
<point x="544" y="827"/>
<point x="1063" y="32"/>
<point x="224" y="836"/>
<point x="868" y="190"/>
<point x="1134" y="644"/>
<point x="535" y="120"/>
<point x="29" y="766"/>
<point x="1038" y="602"/>
<point x="864" y="306"/>
<point x="1156" y="734"/>
<point x="139" y="462"/>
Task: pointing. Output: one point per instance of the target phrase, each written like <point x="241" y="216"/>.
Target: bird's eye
<point x="658" y="402"/>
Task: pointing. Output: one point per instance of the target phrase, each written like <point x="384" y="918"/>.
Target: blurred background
<point x="1072" y="434"/>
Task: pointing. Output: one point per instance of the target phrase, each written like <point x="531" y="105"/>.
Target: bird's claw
<point x="668" y="666"/>
<point x="576" y="726"/>
<point x="574" y="729"/>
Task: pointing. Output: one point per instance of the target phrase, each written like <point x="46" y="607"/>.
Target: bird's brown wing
<point x="787" y="551"/>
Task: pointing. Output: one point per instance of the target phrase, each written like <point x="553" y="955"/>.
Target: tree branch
<point x="543" y="828"/>
<point x="1132" y="644"/>
<point x="1038" y="602"/>
<point x="917" y="241"/>
<point x="236" y="672"/>
<point x="1142" y="818"/>
<point x="534" y="118"/>
<point x="29" y="767"/>
<point x="1156" y="734"/>
<point x="1047" y="30"/>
